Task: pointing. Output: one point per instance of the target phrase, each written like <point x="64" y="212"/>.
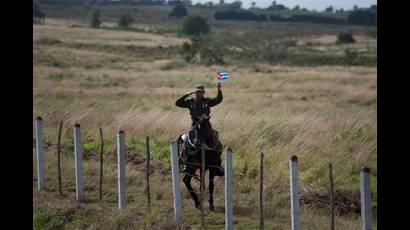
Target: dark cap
<point x="199" y="88"/>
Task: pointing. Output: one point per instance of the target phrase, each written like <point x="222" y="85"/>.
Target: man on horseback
<point x="199" y="106"/>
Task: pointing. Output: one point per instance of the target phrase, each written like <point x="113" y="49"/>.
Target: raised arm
<point x="182" y="102"/>
<point x="218" y="99"/>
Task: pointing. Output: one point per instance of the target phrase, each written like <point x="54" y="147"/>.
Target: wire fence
<point x="136" y="191"/>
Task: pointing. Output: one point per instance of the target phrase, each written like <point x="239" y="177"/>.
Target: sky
<point x="308" y="4"/>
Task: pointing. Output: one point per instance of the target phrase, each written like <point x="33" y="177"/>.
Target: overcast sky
<point x="308" y="4"/>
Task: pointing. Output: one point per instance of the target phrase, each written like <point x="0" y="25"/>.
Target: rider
<point x="200" y="105"/>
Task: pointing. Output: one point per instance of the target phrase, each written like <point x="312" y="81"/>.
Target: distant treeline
<point x="239" y="15"/>
<point x="120" y="2"/>
<point x="366" y="17"/>
<point x="358" y="17"/>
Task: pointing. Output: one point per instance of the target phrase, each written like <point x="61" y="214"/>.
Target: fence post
<point x="147" y="172"/>
<point x="60" y="190"/>
<point x="121" y="169"/>
<point x="228" y="190"/>
<point x="294" y="193"/>
<point x="40" y="153"/>
<point x="78" y="158"/>
<point x="202" y="186"/>
<point x="365" y="198"/>
<point x="175" y="180"/>
<point x="261" y="222"/>
<point x="332" y="197"/>
<point x="101" y="161"/>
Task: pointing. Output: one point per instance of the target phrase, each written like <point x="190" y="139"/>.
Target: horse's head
<point x="204" y="129"/>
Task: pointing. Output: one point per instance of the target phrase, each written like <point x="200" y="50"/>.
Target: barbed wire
<point x="211" y="166"/>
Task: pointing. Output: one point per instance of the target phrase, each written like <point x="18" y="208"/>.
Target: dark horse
<point x="204" y="135"/>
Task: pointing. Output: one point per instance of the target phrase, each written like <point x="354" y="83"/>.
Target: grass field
<point x="124" y="80"/>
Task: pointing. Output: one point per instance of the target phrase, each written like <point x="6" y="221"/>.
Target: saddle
<point x="191" y="142"/>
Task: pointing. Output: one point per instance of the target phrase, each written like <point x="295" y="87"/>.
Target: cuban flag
<point x="222" y="75"/>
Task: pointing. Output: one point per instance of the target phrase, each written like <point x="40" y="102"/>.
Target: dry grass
<point x="95" y="36"/>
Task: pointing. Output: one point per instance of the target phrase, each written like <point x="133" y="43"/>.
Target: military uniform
<point x="197" y="108"/>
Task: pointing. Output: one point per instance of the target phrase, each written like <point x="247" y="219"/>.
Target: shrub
<point x="194" y="25"/>
<point x="95" y="21"/>
<point x="345" y="37"/>
<point x="125" y="20"/>
<point x="179" y="11"/>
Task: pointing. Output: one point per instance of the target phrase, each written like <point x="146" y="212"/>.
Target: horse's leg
<point x="187" y="182"/>
<point x="211" y="190"/>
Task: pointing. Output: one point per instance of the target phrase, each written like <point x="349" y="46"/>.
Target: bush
<point x="125" y="20"/>
<point x="95" y="21"/>
<point x="194" y="25"/>
<point x="179" y="11"/>
<point x="345" y="37"/>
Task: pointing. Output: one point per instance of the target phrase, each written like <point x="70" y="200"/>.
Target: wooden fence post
<point x="101" y="161"/>
<point x="60" y="190"/>
<point x="40" y="154"/>
<point x="294" y="193"/>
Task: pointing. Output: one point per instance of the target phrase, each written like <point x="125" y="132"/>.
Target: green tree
<point x="236" y="5"/>
<point x="95" y="21"/>
<point x="179" y="11"/>
<point x="329" y="9"/>
<point x="125" y="21"/>
<point x="345" y="37"/>
<point x="194" y="25"/>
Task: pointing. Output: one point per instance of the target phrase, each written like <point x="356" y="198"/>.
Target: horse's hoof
<point x="212" y="208"/>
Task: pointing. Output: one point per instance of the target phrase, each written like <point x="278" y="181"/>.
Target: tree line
<point x="358" y="17"/>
